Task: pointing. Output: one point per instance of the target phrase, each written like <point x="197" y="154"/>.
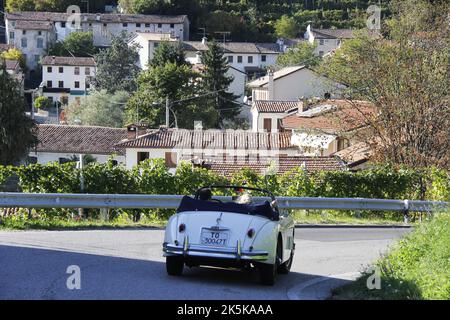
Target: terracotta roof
<point x="210" y="139"/>
<point x="68" y="61"/>
<point x="355" y="154"/>
<point x="33" y="25"/>
<point x="281" y="165"/>
<point x="333" y="33"/>
<point x="343" y="118"/>
<point x="276" y="75"/>
<point x="92" y="17"/>
<point x="11" y="64"/>
<point x="235" y="47"/>
<point x="268" y="106"/>
<point x="79" y="139"/>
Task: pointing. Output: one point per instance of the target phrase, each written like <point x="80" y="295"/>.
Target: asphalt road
<point x="128" y="264"/>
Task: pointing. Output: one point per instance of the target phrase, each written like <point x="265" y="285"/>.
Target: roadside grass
<point x="416" y="268"/>
<point x="345" y="218"/>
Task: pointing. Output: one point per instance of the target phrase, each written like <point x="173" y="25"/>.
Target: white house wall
<point x="46" y="157"/>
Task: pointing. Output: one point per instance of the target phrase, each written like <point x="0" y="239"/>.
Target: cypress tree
<point x="16" y="129"/>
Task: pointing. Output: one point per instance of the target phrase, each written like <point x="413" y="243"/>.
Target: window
<point x="263" y="58"/>
<point x="49" y="69"/>
<point x="88" y="86"/>
<point x="267" y="124"/>
<point x="125" y="24"/>
<point x="61" y="69"/>
<point x="11" y="35"/>
<point x="49" y="84"/>
<point x="32" y="160"/>
<point x="24" y="42"/>
<point x="64" y="100"/>
<point x="342" y="143"/>
<point x="142" y="156"/>
<point x="105" y="24"/>
<point x="171" y="159"/>
<point x="60" y="84"/>
<point x="230" y="59"/>
<point x="63" y="24"/>
<point x="77" y="71"/>
<point x="77" y="84"/>
<point x="147" y="25"/>
<point x="138" y="25"/>
<point x="37" y="58"/>
<point x="338" y="42"/>
<point x="87" y="71"/>
<point x="250" y="59"/>
<point x="321" y="42"/>
<point x="39" y="33"/>
<point x="239" y="59"/>
<point x="159" y="25"/>
<point x="24" y="32"/>
<point x="156" y="45"/>
<point x="40" y="43"/>
<point x="13" y="23"/>
<point x="172" y="26"/>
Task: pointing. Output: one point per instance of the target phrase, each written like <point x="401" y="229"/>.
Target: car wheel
<point x="174" y="265"/>
<point x="286" y="267"/>
<point x="268" y="272"/>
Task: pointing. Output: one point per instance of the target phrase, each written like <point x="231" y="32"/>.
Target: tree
<point x="42" y="102"/>
<point x="16" y="129"/>
<point x="215" y="78"/>
<point x="405" y="77"/>
<point x="14" y="54"/>
<point x="301" y="54"/>
<point x="169" y="52"/>
<point x="116" y="66"/>
<point x="286" y="27"/>
<point x="176" y="83"/>
<point x="79" y="44"/>
<point x="99" y="109"/>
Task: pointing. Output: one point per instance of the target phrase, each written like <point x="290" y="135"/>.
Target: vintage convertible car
<point x="242" y="233"/>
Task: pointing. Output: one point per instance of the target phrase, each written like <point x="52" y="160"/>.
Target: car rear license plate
<point x="214" y="237"/>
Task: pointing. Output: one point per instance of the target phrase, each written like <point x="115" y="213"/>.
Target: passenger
<point x="205" y="194"/>
<point x="244" y="199"/>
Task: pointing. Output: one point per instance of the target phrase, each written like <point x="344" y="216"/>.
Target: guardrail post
<point x="406" y="212"/>
<point x="104" y="213"/>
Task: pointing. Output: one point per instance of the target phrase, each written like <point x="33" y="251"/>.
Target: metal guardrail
<point x="60" y="200"/>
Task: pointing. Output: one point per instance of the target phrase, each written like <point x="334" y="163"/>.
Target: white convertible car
<point x="237" y="234"/>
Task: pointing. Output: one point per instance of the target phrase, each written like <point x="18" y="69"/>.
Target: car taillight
<point x="251" y="233"/>
<point x="182" y="227"/>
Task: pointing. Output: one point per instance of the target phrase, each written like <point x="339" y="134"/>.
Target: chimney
<point x="300" y="106"/>
<point x="132" y="132"/>
<point x="204" y="40"/>
<point x="271" y="85"/>
<point x="98" y="17"/>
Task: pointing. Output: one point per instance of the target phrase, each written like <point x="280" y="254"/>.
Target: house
<point x="267" y="115"/>
<point x="66" y="79"/>
<point x="356" y="157"/>
<point x="246" y="61"/>
<point x="13" y="68"/>
<point x="33" y="38"/>
<point x="327" y="40"/>
<point x="61" y="142"/>
<point x="325" y="127"/>
<point x="148" y="42"/>
<point x="33" y="32"/>
<point x="292" y="83"/>
<point x="175" y="145"/>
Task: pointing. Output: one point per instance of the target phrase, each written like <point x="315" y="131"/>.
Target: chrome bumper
<point x="193" y="250"/>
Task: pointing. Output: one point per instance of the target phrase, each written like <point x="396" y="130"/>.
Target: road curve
<point x="128" y="264"/>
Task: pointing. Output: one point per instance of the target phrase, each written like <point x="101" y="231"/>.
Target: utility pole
<point x="167" y="111"/>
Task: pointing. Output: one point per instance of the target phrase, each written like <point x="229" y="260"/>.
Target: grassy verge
<point x="418" y="267"/>
<point x="21" y="222"/>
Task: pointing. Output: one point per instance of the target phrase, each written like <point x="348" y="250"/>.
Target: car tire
<point x="286" y="267"/>
<point x="268" y="272"/>
<point x="174" y="265"/>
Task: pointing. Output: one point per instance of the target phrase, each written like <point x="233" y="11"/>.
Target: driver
<point x="205" y="194"/>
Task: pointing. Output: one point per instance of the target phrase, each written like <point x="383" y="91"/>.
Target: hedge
<point x="152" y="177"/>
